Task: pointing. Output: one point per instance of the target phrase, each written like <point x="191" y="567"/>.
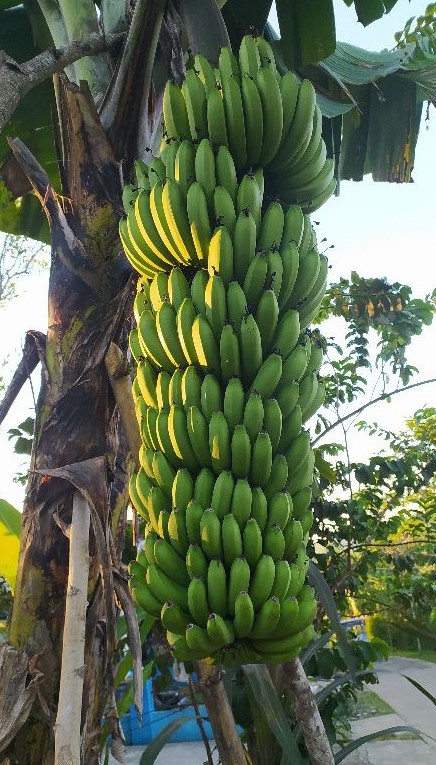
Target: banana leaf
<point x="353" y="745"/>
<point x="421" y="688"/>
<point x="265" y="696"/>
<point x="10" y="530"/>
<point x="155" y="747"/>
<point x="317" y="581"/>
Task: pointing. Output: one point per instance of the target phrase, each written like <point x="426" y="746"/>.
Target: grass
<point x="369" y="704"/>
<point x="423" y="655"/>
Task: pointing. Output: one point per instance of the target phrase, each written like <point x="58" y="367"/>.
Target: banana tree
<point x="66" y="147"/>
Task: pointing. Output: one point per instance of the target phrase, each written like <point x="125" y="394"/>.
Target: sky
<point x="377" y="230"/>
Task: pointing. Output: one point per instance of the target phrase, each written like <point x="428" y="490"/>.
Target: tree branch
<point x="34" y="345"/>
<point x="220" y="714"/>
<point x="116" y="367"/>
<point x="68" y="718"/>
<point x="297" y="688"/>
<point x="360" y="409"/>
<point x="17" y="79"/>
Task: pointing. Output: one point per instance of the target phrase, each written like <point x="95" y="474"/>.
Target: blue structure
<point x="154" y="720"/>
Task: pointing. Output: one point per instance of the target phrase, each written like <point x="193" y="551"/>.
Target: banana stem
<point x="299" y="693"/>
<point x="68" y="719"/>
<point x="200" y="722"/>
<point x="116" y="367"/>
<point x="221" y="718"/>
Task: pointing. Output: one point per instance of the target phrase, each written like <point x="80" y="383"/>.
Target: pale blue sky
<point x="377" y="230"/>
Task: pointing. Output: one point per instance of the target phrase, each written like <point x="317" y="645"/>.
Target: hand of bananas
<point x="227" y="373"/>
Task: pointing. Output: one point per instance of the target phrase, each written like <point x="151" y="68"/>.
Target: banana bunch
<point x="227" y="371"/>
<point x="264" y="119"/>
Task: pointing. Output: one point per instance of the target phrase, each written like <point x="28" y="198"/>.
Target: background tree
<point x="107" y="106"/>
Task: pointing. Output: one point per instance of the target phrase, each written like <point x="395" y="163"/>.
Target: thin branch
<point x="68" y="718"/>
<point x="17" y="79"/>
<point x="200" y="721"/>
<point x="389" y="544"/>
<point x="370" y="403"/>
<point x="34" y="344"/>
<point x="297" y="688"/>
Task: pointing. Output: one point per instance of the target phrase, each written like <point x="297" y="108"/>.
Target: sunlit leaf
<point x="10" y="529"/>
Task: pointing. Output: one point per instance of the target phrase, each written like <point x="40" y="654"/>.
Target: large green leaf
<point x="32" y="123"/>
<point x="353" y="745"/>
<point x="393" y="130"/>
<point x="243" y="16"/>
<point x="10" y="529"/>
<point x="150" y="754"/>
<point x="356" y="66"/>
<point x="307" y="30"/>
<point x="266" y="697"/>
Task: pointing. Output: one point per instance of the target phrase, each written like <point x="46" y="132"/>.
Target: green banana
<point x="168" y="560"/>
<point x="173" y="618"/>
<point x="253" y="415"/>
<point x="203" y="487"/>
<point x="252" y="542"/>
<point x="194" y="94"/>
<point x="235" y="121"/>
<point x="210" y="534"/>
<point x="211" y="396"/>
<point x="198" y="432"/>
<point x="262" y="582"/>
<point x="177" y="532"/>
<point x="222" y="494"/>
<point x="251" y="348"/>
<point x="217" y="587"/>
<point x="178" y="287"/>
<point x="261" y="460"/>
<point x="220" y="631"/>
<point x="226" y="172"/>
<point x="244" y="244"/>
<point x="240" y="447"/>
<point x="219" y="442"/>
<point x="174" y="112"/>
<point x="186" y="315"/>
<point x="267" y="316"/>
<point x="279" y="509"/>
<point x="178" y="433"/>
<point x="197" y="601"/>
<point x="274" y="542"/>
<point x="162" y="387"/>
<point x="231" y="539"/>
<point x="273" y="421"/>
<point x="266" y="620"/>
<point x="206" y="347"/>
<point x="191" y="388"/>
<point x="253" y="118"/>
<point x="216" y="118"/>
<point x="241" y="502"/>
<point x="259" y="507"/>
<point x="233" y="404"/>
<point x="220" y="255"/>
<point x="229" y="354"/>
<point x="193" y="514"/>
<point x="199" y="223"/>
<point x="244" y="615"/>
<point x="268" y="376"/>
<point x="281" y="580"/>
<point x="239" y="579"/>
<point x="163" y="588"/>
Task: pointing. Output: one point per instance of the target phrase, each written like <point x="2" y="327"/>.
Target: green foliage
<point x="389" y="310"/>
<point x="417" y="27"/>
<point x="10" y="530"/>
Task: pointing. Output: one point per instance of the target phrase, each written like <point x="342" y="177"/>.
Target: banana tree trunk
<point x="76" y="424"/>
